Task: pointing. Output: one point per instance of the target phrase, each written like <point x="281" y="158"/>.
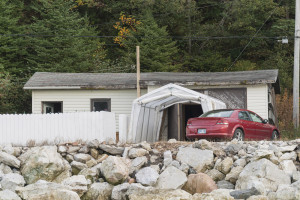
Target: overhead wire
<point x="254" y="36"/>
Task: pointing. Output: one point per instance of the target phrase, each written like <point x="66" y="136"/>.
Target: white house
<point x="115" y="92"/>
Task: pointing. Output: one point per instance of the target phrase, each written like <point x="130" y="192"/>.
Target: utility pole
<point x="189" y="24"/>
<point x="138" y="71"/>
<point x="296" y="67"/>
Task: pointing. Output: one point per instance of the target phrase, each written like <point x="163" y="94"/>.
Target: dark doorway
<point x="177" y="118"/>
<point x="190" y="111"/>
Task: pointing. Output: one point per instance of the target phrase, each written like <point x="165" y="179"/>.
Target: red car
<point x="231" y="123"/>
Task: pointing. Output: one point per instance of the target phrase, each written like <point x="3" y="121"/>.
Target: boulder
<point x="184" y="167"/>
<point x="41" y="163"/>
<point x="262" y="153"/>
<point x="115" y="170"/>
<point x="8" y="148"/>
<point x="8" y="195"/>
<point x="136" y="192"/>
<point x="167" y="158"/>
<point x="98" y="191"/>
<point x="93" y="144"/>
<point x="225" y="185"/>
<point x="62" y="149"/>
<point x="46" y="191"/>
<point x="112" y="149"/>
<point x="94" y="153"/>
<point x="258" y="197"/>
<point x="5" y="169"/>
<point x="11" y="181"/>
<point x="119" y="191"/>
<point x="244" y="194"/>
<point x="73" y="149"/>
<point x="216" y="175"/>
<point x="81" y="157"/>
<point x="160" y="195"/>
<point x="199" y="183"/>
<point x="171" y="178"/>
<point x="219" y="194"/>
<point x="233" y="148"/>
<point x="225" y="165"/>
<point x="77" y="167"/>
<point x="199" y="159"/>
<point x="77" y="183"/>
<point x="147" y="176"/>
<point x="145" y="145"/>
<point x="90" y="173"/>
<point x="91" y="163"/>
<point x="137" y="163"/>
<point x="288" y="167"/>
<point x="288" y="148"/>
<point x="287" y="192"/>
<point x="9" y="160"/>
<point x="137" y="152"/>
<point x="296" y="176"/>
<point x="84" y="150"/>
<point x="203" y="144"/>
<point x="233" y="175"/>
<point x="240" y="162"/>
<point x="65" y="174"/>
<point x="288" y="156"/>
<point x="263" y="175"/>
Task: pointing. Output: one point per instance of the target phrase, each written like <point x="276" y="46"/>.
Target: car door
<point x="262" y="131"/>
<point x="247" y="123"/>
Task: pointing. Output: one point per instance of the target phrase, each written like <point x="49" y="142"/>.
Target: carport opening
<point x="190" y="111"/>
<point x="175" y="119"/>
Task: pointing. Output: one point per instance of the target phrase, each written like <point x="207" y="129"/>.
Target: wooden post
<point x="296" y="67"/>
<point x="138" y="71"/>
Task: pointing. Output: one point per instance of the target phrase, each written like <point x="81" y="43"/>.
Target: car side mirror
<point x="265" y="121"/>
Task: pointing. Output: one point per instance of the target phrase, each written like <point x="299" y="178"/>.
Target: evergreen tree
<point x="61" y="41"/>
<point x="158" y="51"/>
<point x="12" y="47"/>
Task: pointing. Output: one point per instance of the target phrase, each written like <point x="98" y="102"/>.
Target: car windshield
<point x="218" y="113"/>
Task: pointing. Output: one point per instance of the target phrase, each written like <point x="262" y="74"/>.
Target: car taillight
<point x="189" y="123"/>
<point x="222" y="122"/>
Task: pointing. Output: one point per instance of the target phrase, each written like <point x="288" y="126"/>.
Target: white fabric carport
<point x="146" y="113"/>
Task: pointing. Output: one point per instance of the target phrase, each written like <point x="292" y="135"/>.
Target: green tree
<point x="12" y="47"/>
<point x="61" y="39"/>
<point x="158" y="51"/>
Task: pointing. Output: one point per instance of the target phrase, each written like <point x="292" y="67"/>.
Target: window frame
<point x="247" y="113"/>
<point x="61" y="102"/>
<point x="108" y="100"/>
<point x="256" y="115"/>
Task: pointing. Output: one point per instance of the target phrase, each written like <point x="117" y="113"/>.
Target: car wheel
<point x="275" y="135"/>
<point x="238" y="134"/>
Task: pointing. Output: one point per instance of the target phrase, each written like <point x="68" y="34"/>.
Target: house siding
<point x="257" y="96"/>
<point x="257" y="100"/>
<point x="80" y="100"/>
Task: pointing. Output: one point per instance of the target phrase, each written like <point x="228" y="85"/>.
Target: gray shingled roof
<point x="48" y="80"/>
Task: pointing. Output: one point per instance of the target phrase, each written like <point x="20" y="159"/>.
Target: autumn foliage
<point x="284" y="106"/>
<point x="124" y="27"/>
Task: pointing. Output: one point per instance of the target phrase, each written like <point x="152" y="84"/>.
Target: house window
<point x="52" y="107"/>
<point x="100" y="105"/>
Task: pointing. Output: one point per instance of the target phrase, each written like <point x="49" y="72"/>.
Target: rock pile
<point x="176" y="170"/>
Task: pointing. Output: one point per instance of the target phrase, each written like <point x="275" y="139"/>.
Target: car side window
<point x="256" y="118"/>
<point x="244" y="116"/>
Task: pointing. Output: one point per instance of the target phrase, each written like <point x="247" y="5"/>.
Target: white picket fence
<point x="57" y="128"/>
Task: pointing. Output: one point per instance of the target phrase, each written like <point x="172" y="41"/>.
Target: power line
<point x="254" y="36"/>
<point x="182" y="37"/>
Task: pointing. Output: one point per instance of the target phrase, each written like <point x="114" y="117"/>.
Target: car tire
<point x="238" y="134"/>
<point x="275" y="135"/>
